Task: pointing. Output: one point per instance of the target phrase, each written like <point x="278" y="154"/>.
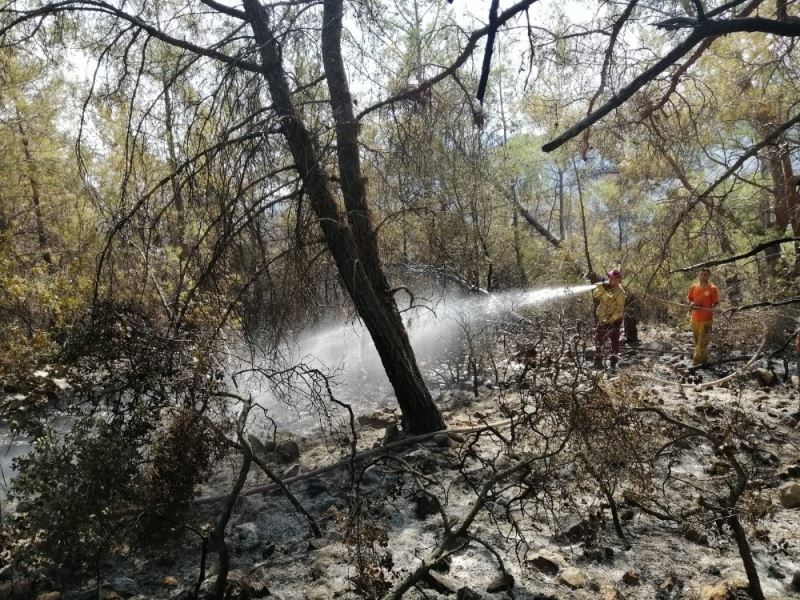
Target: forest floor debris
<point x="565" y="545"/>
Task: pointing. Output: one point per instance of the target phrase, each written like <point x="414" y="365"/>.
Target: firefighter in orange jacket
<point x="702" y="297"/>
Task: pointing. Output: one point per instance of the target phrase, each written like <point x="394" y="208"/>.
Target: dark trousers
<point x="631" y="330"/>
<point x="603" y="332"/>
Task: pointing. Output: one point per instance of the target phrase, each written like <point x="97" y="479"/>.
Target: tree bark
<point x="41" y="236"/>
<point x="773" y="160"/>
<point x="351" y="242"/>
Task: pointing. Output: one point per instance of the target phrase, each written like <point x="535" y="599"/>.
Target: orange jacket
<point x="705" y="298"/>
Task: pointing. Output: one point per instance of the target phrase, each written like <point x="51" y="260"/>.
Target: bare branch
<point x="723" y="261"/>
<point x="752" y="151"/>
<point x="700" y="31"/>
<point x="315" y="530"/>
<point x="784" y="302"/>
<point x="472" y="42"/>
<point x="105" y="8"/>
<point x="628" y="91"/>
<point x="618" y="24"/>
<point x="226" y="10"/>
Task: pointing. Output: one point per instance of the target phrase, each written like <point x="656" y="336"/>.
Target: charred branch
<point x="487" y="56"/>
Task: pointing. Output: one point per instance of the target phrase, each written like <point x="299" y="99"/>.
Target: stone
<point x="789" y="495"/>
<point x="789" y="472"/>
<point x="578" y="532"/>
<point x="720" y="591"/>
<point x="170" y="581"/>
<point x="466" y="593"/>
<point x="287" y="451"/>
<point x="49" y="596"/>
<point x="631" y="577"/>
<point x="320" y="592"/>
<point x="765" y="377"/>
<point x="574" y="578"/>
<point x="692" y="535"/>
<point x="795" y="585"/>
<point x="609" y="592"/>
<point x="503" y="582"/>
<point x="738" y="582"/>
<point x="598" y="555"/>
<point x="383" y="417"/>
<point x="719" y="468"/>
<point x="549" y="564"/>
<point x="242" y="585"/>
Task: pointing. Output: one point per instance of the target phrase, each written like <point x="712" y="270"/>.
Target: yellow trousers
<point x="702" y="337"/>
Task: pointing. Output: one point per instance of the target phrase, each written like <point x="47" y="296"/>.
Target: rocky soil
<point x="563" y="545"/>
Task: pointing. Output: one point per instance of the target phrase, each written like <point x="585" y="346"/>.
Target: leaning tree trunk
<point x="351" y="243"/>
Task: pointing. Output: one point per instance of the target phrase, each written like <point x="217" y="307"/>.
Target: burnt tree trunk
<point x="352" y="242"/>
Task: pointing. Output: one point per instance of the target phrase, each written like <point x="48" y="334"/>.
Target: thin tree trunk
<point x="747" y="558"/>
<point x="792" y="205"/>
<point x="521" y="275"/>
<point x="179" y="227"/>
<point x="774" y="167"/>
<point x="561" y="205"/>
<point x="41" y="236"/>
<point x="353" y="247"/>
<point x="218" y="535"/>
<point x="583" y="218"/>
